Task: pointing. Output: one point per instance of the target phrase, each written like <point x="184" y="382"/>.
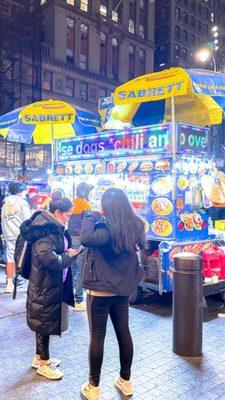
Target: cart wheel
<point x="136" y="298"/>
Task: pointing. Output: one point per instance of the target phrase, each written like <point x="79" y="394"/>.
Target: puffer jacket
<point x="104" y="269"/>
<point x="46" y="289"/>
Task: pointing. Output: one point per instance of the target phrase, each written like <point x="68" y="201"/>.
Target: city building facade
<point x="183" y="27"/>
<point x="90" y="47"/>
<point x="74" y="50"/>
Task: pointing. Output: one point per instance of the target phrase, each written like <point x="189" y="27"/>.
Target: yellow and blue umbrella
<point x="45" y="121"/>
<point x="199" y="99"/>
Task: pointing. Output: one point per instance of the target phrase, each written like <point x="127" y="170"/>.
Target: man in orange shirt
<point x="81" y="208"/>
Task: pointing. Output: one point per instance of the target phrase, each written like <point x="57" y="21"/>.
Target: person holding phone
<point x="111" y="274"/>
<point x="50" y="288"/>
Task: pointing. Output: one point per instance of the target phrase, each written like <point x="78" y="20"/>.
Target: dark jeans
<point x="98" y="309"/>
<point x="42" y="346"/>
<point x="77" y="271"/>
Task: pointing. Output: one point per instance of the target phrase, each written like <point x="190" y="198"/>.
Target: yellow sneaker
<point x="90" y="392"/>
<point x="126" y="387"/>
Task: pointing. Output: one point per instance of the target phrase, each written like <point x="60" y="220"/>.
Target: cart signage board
<point x="141" y="141"/>
<point x="192" y="139"/>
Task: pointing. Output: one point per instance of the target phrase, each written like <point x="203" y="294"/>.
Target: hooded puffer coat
<point x="46" y="290"/>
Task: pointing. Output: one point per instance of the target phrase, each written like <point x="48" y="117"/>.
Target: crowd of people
<point x="74" y="248"/>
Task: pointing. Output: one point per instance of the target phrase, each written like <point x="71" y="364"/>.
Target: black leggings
<point x="42" y="346"/>
<point x="98" y="309"/>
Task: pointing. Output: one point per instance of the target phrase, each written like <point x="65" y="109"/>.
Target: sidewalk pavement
<point x="157" y="373"/>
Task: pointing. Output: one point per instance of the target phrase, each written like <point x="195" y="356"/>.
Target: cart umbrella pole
<point x="52" y="148"/>
<point x="173" y="130"/>
<point x="173" y="142"/>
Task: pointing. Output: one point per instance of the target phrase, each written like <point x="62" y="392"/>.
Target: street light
<point x="204" y="55"/>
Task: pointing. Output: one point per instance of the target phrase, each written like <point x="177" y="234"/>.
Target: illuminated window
<point x="117" y="8"/>
<point x="71" y="2"/>
<point x="131" y="26"/>
<point x="103" y="10"/>
<point x="115" y="16"/>
<point x="84" y="5"/>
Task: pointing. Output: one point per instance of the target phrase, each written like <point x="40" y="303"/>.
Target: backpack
<point x="22" y="254"/>
<point x="22" y="258"/>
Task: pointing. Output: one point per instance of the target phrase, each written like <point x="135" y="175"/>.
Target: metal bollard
<point x="187" y="305"/>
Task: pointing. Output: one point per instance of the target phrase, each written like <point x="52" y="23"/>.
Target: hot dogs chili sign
<point x="132" y="142"/>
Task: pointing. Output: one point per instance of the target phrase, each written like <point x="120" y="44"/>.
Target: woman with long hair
<point x="111" y="274"/>
<point x="50" y="283"/>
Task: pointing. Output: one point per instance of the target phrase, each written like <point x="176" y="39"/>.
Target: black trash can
<point x="187" y="305"/>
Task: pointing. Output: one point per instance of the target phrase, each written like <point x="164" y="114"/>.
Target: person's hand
<point x="96" y="215"/>
<point x="73" y="252"/>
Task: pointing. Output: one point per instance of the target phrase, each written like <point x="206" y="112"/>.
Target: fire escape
<point x="20" y="77"/>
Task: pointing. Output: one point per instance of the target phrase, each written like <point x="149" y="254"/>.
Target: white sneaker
<point x="36" y="362"/>
<point x="80" y="306"/>
<point x="90" y="392"/>
<point x="9" y="288"/>
<point x="50" y="371"/>
<point x="126" y="387"/>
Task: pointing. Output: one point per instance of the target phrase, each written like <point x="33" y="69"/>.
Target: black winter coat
<point x="46" y="290"/>
<point x="104" y="269"/>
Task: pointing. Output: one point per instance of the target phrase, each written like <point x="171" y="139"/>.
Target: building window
<point x="117" y="11"/>
<point x="115" y="58"/>
<point x="184" y="35"/>
<point x="83" y="90"/>
<point x="131" y="26"/>
<point x="141" y="31"/>
<point x="192" y="21"/>
<point x="69" y="87"/>
<point x="185" y="17"/>
<point x="103" y="54"/>
<point x="84" y="5"/>
<point x="83" y="46"/>
<point x="177" y="32"/>
<point x="70" y="32"/>
<point x="47" y="80"/>
<point x="177" y="13"/>
<point x="184" y="53"/>
<point x="212" y="17"/>
<point x="192" y="38"/>
<point x="102" y="93"/>
<point x="104" y="7"/>
<point x="177" y="51"/>
<point x="131" y="63"/>
<point x="142" y="4"/>
<point x="132" y="16"/>
<point x="141" y="62"/>
<point x="71" y="2"/>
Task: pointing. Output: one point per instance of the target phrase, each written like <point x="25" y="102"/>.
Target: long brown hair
<point x="126" y="228"/>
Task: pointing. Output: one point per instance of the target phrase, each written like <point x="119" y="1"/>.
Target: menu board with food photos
<point x="149" y="184"/>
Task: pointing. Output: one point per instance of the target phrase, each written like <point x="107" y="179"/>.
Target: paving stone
<point x="157" y="372"/>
